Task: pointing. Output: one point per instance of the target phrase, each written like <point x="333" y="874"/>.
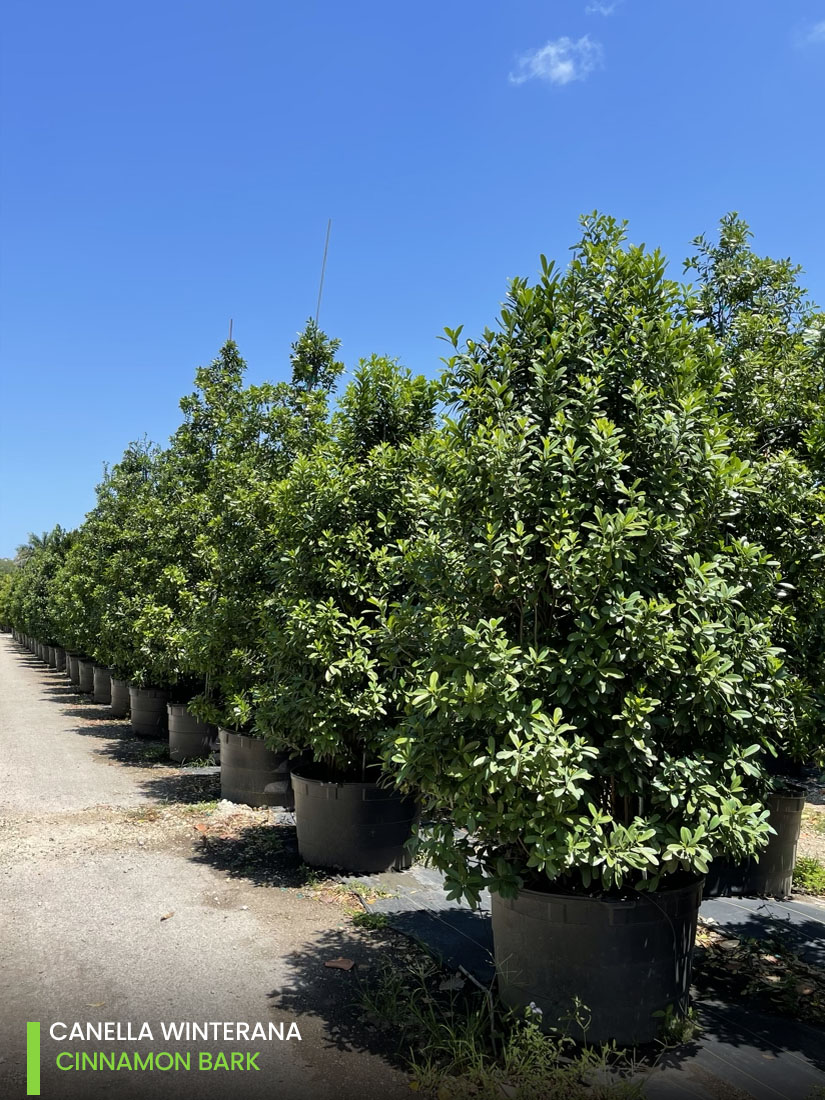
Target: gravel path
<point x="110" y="912"/>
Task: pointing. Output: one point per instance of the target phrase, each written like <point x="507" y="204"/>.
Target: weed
<point x="207" y="807"/>
<point x="310" y="876"/>
<point x="678" y="1029"/>
<point x="148" y="813"/>
<point x="150" y="753"/>
<point x="371" y="892"/>
<point x="372" y="921"/>
<point x="809" y="875"/>
<point x="476" y="1049"/>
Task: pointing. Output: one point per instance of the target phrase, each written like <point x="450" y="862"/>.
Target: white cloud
<point x="816" y="35"/>
<point x="559" y="62"/>
<point x="598" y="7"/>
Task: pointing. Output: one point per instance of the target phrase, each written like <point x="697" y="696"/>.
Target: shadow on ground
<point x="173" y="783"/>
<point x="334" y="996"/>
<point x="170" y="782"/>
<point x="796" y="930"/>
<point x="263" y="854"/>
<point x="458" y="937"/>
<point x="183" y="786"/>
<point x="742" y="1028"/>
<point x="94" y="712"/>
<point x="111" y="730"/>
<point x="60" y="691"/>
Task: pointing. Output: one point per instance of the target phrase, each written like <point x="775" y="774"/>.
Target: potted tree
<point x="772" y="340"/>
<point x="104" y="571"/>
<point x="328" y="695"/>
<point x="30" y="595"/>
<point x="254" y="434"/>
<point x="224" y="422"/>
<point x="589" y="681"/>
<point x="7" y="571"/>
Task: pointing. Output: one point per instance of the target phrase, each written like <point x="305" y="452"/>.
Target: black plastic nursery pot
<point x="72" y="670"/>
<point x="102" y="685"/>
<point x="772" y="874"/>
<point x="189" y="738"/>
<point x="119" y="701"/>
<point x="51" y="660"/>
<point x="350" y="825"/>
<point x="252" y="773"/>
<point x="85" y="675"/>
<point x="627" y="961"/>
<point x="60" y="658"/>
<point x="148" y="707"/>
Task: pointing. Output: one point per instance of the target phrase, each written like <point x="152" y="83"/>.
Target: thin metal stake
<point x="323" y="270"/>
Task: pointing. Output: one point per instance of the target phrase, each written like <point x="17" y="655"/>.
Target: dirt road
<point x="114" y="908"/>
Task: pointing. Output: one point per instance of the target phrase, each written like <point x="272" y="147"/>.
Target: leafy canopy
<point x="586" y="672"/>
<point x="773" y="343"/>
<point x="331" y="565"/>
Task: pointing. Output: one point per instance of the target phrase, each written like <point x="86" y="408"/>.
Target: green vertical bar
<point x="32" y="1059"/>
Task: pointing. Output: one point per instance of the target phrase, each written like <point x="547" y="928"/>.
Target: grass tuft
<point x="464" y="1046"/>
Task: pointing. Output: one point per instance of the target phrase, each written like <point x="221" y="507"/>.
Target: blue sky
<point x="167" y="166"/>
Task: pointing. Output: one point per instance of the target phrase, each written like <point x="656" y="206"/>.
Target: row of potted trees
<point x="567" y="599"/>
<point x="357" y="825"/>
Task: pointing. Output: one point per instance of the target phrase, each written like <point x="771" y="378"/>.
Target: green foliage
<point x="560" y="614"/>
<point x="163" y="609"/>
<point x="773" y="343"/>
<point x="588" y="680"/>
<point x="6" y="586"/>
<point x="164" y="576"/>
<point x="461" y="1043"/>
<point x="372" y="922"/>
<point x="314" y="366"/>
<point x="331" y="566"/>
<point x="111" y="565"/>
<point x="809" y="875"/>
<point x="27" y="593"/>
<point x="263" y="431"/>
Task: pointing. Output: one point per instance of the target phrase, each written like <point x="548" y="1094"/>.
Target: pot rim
<point x="696" y="881"/>
<point x="181" y="706"/>
<point x="363" y="784"/>
<point x="238" y="733"/>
